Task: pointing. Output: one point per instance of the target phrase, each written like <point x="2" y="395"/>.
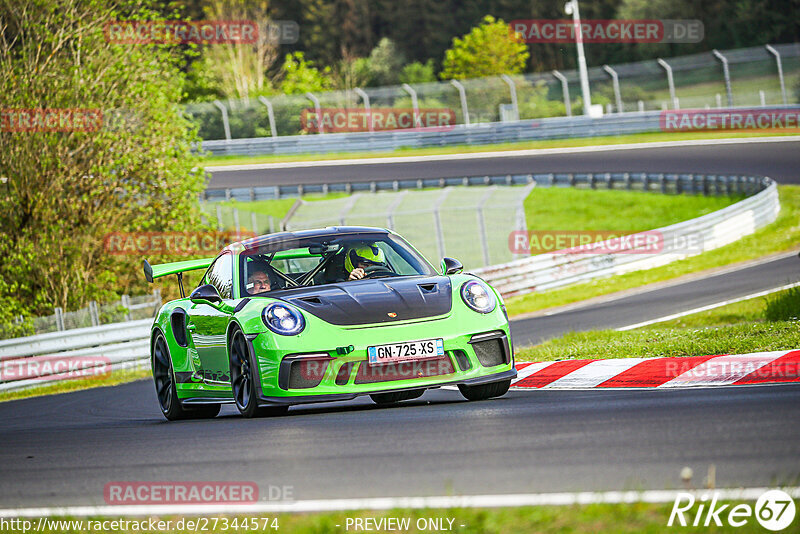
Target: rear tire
<point x="485" y="391"/>
<point x="243" y="381"/>
<point x="396" y="396"/>
<point x="166" y="392"/>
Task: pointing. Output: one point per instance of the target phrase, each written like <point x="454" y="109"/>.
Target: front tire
<point x="243" y="380"/>
<point x="166" y="392"/>
<point x="484" y="391"/>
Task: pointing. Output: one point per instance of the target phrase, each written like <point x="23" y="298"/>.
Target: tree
<point x="238" y="70"/>
<point x="385" y="62"/>
<point x="489" y="49"/>
<point x="417" y="72"/>
<point x="130" y="168"/>
<point x="301" y="76"/>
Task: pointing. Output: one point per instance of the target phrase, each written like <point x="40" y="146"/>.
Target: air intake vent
<point x="403" y="370"/>
<point x="302" y="372"/>
<point x="311" y="300"/>
<point x="491" y="352"/>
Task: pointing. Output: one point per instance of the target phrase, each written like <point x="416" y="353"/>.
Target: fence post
<point x="365" y="98"/>
<point x="219" y="217"/>
<point x="270" y="115"/>
<point x="225" y="124"/>
<point x="237" y="227"/>
<point x="565" y="90"/>
<point x="94" y="315"/>
<point x="414" y="104"/>
<point x="777" y="55"/>
<point x="513" y="90"/>
<point x="670" y="81"/>
<point x="391" y="209"/>
<point x="254" y="223"/>
<point x="726" y="73"/>
<point x="719" y="100"/>
<point x="126" y="303"/>
<point x="318" y="109"/>
<point x="437" y="222"/>
<point x="762" y="97"/>
<point x="615" y="81"/>
<point x="59" y="319"/>
<point x="462" y="95"/>
<point x="482" y="225"/>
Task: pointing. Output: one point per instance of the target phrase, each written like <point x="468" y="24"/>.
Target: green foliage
<point x="385" y="62"/>
<point x="783" y="306"/>
<point x="487" y="50"/>
<point x="65" y="190"/>
<point x="417" y="72"/>
<point x="302" y="76"/>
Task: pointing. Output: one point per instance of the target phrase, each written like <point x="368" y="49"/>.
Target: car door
<point x="207" y="325"/>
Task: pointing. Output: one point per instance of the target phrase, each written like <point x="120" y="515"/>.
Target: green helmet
<point x="365" y="253"/>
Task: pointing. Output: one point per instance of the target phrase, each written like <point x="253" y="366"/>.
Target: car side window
<point x="220" y="275"/>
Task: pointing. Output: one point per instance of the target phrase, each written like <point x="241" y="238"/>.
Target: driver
<point x="258" y="280"/>
<point x="364" y="256"/>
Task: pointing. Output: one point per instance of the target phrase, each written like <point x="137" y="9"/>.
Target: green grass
<point x="654" y="137"/>
<point x="77" y="384"/>
<point x="667" y="342"/>
<point x="782" y="235"/>
<point x="643" y="518"/>
<point x="737" y="328"/>
<point x="784" y="306"/>
<point x="556" y="208"/>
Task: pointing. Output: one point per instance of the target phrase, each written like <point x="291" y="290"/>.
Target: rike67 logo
<point x="774" y="510"/>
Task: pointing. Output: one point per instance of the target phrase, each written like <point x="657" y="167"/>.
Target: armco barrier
<point x="475" y="134"/>
<point x="126" y="345"/>
<point x="552" y="270"/>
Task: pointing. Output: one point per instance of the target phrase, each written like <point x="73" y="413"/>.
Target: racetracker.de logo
<point x="361" y="120"/>
<point x="729" y="119"/>
<point x="55" y="368"/>
<point x="50" y="120"/>
<point x="608" y="31"/>
<point x="181" y="32"/>
<point x="177" y="243"/>
<point x="602" y="242"/>
<point x="180" y="493"/>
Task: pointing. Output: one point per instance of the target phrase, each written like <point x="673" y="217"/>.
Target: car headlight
<point x="478" y="296"/>
<point x="283" y="319"/>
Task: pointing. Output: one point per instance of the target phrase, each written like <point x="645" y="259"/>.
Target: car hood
<point x="383" y="300"/>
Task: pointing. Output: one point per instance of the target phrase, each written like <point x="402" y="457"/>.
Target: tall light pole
<point x="571" y="8"/>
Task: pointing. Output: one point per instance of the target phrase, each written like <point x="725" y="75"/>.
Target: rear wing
<point x="151" y="272"/>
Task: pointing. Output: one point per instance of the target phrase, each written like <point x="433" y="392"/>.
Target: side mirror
<point x="451" y="266"/>
<point x="206" y="294"/>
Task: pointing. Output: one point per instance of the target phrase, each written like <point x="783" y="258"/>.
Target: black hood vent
<point x="383" y="300"/>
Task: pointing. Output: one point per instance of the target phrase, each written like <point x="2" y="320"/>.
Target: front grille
<point x="490" y="352"/>
<point x="403" y="370"/>
<point x="302" y="373"/>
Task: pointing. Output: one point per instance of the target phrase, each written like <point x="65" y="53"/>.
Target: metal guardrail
<point x="553" y="270"/>
<point x="38" y="360"/>
<point x="126" y="345"/>
<point x="475" y="134"/>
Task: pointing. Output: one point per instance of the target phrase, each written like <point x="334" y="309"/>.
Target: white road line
<point x="594" y="373"/>
<point x="498" y="154"/>
<point x="723" y="370"/>
<point x="403" y="503"/>
<point x="708" y="307"/>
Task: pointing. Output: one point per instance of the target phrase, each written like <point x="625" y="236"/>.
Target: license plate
<point x="409" y="350"/>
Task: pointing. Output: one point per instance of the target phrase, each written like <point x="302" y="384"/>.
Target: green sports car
<point x="324" y="315"/>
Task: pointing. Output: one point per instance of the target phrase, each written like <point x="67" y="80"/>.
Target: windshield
<point x="327" y="260"/>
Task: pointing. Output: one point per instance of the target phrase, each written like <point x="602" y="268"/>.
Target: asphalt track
<point x="778" y="160"/>
<point x="62" y="450"/>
